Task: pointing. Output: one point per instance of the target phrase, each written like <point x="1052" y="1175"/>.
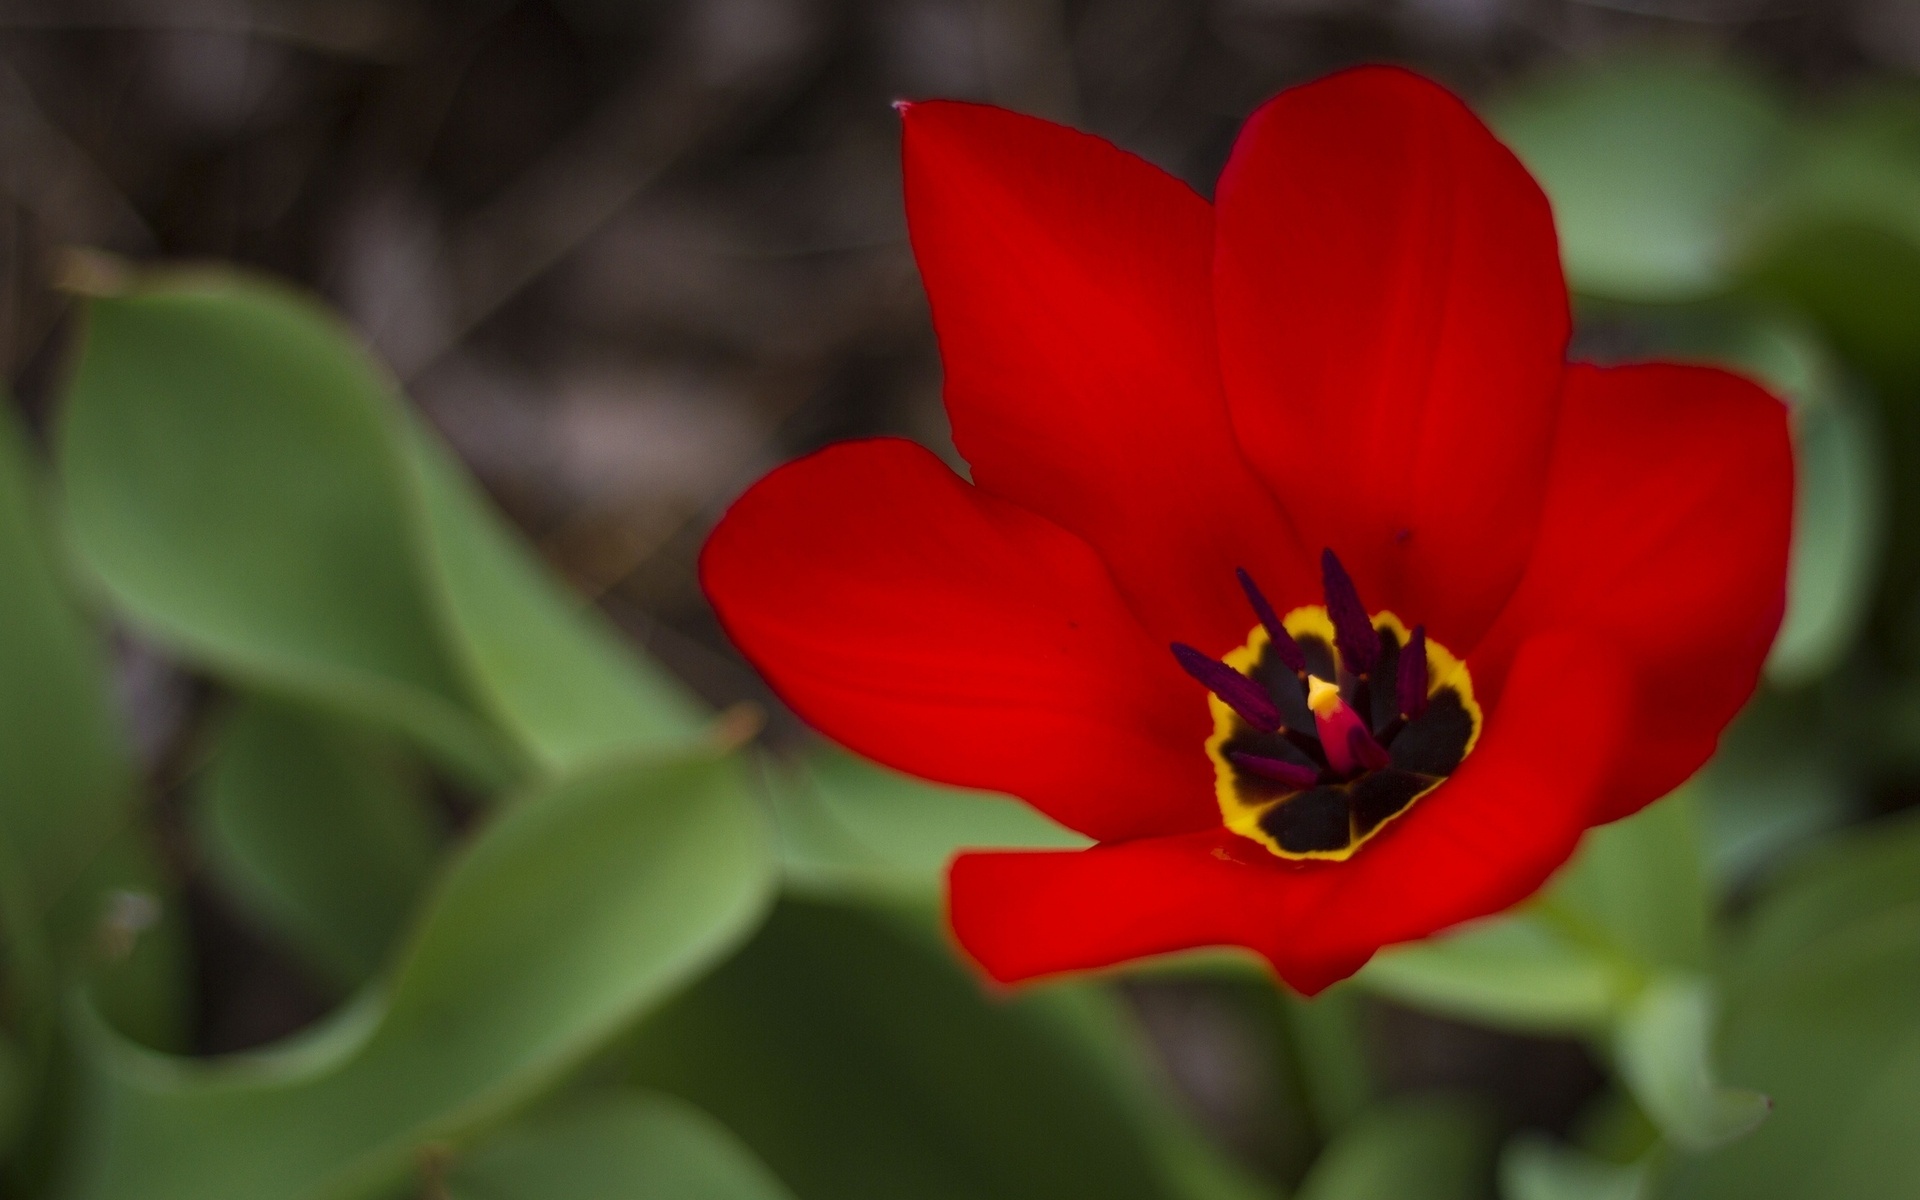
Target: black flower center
<point x="1329" y="723"/>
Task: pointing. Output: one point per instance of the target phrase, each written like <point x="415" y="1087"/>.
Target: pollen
<point x="1330" y="723"/>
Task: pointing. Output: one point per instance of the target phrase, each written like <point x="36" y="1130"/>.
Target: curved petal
<point x="1392" y="324"/>
<point x="1069" y="283"/>
<point x="959" y="637"/>
<point x="1666" y="533"/>
<point x="1488" y="838"/>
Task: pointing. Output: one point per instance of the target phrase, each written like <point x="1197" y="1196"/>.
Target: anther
<point x="1277" y="635"/>
<point x="1349" y="746"/>
<point x="1239" y="693"/>
<point x="1353" y="632"/>
<point x="1413" y="674"/>
<point x="1277" y="769"/>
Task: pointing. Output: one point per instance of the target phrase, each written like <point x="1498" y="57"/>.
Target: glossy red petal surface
<point x="1070" y="284"/>
<point x="1666" y="533"/>
<point x="1489" y="837"/>
<point x="1392" y="322"/>
<point x="958" y="637"/>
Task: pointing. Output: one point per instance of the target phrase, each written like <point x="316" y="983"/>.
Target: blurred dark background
<point x="629" y="255"/>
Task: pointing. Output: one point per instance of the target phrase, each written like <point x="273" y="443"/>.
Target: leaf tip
<point x="85" y="271"/>
<point x="736" y="726"/>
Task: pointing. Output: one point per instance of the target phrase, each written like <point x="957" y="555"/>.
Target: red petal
<point x="1484" y="841"/>
<point x="1070" y="288"/>
<point x="961" y="638"/>
<point x="1666" y="533"/>
<point x="1392" y="326"/>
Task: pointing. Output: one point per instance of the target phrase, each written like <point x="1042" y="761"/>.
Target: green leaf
<point x="1833" y="1034"/>
<point x="1637" y="889"/>
<point x="574" y="911"/>
<point x="1329" y="1054"/>
<point x="858" y="1060"/>
<point x="70" y="845"/>
<point x="1839" y="510"/>
<point x="547" y="667"/>
<point x="1650" y="160"/>
<point x="318" y="831"/>
<point x="121" y="932"/>
<point x="1632" y="902"/>
<point x="1663" y="1045"/>
<point x="1512" y="972"/>
<point x="1534" y="1168"/>
<point x="66" y="781"/>
<point x="1420" y="1149"/>
<point x="233" y="478"/>
<point x="1842" y="228"/>
<point x="850" y="826"/>
<point x="1851" y="879"/>
<point x="628" y="1145"/>
<point x="244" y="483"/>
<point x="1780" y="777"/>
<point x="1843" y="244"/>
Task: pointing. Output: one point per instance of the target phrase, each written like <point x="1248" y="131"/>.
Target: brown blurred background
<point x="629" y="254"/>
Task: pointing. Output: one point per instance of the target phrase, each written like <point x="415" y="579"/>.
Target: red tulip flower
<point x="1298" y="567"/>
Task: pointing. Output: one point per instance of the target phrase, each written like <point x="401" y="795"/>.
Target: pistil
<point x="1344" y="736"/>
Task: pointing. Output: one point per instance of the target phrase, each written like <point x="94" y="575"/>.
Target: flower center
<point x="1330" y="723"/>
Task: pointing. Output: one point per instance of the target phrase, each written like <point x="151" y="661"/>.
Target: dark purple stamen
<point x="1277" y="769"/>
<point x="1413" y="674"/>
<point x="1365" y="750"/>
<point x="1241" y="694"/>
<point x="1277" y="635"/>
<point x="1353" y="632"/>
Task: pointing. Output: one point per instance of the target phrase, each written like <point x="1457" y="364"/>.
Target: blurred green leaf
<point x="547" y="667"/>
<point x="1102" y="1027"/>
<point x="1329" y="1053"/>
<point x="65" y="778"/>
<point x="1421" y="1149"/>
<point x="632" y="1146"/>
<point x="1663" y="1045"/>
<point x="1618" y="944"/>
<point x="1851" y="879"/>
<point x="122" y="932"/>
<point x="1833" y="1034"/>
<point x="1534" y="1168"/>
<point x="16" y="1087"/>
<point x="318" y="831"/>
<point x="243" y="481"/>
<point x="1512" y="972"/>
<point x="234" y="479"/>
<point x="570" y="914"/>
<point x="850" y="826"/>
<point x="1837" y="541"/>
<point x="70" y="842"/>
<point x="1838" y="528"/>
<point x="1843" y="227"/>
<point x="1843" y="244"/>
<point x="1781" y="776"/>
<point x="1651" y="161"/>
<point x="859" y="1060"/>
<point x="1637" y="889"/>
<point x="1632" y="902"/>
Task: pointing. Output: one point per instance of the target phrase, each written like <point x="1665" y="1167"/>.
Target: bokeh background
<point x="626" y="256"/>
